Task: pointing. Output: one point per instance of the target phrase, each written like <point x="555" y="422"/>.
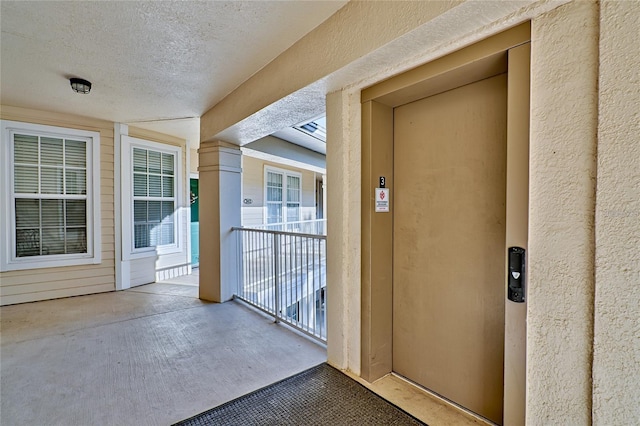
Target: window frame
<point x="285" y="199"/>
<point x="9" y="261"/>
<point x="129" y="251"/>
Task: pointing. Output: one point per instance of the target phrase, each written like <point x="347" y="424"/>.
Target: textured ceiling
<point x="154" y="63"/>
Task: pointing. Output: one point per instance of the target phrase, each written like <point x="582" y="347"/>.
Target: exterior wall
<point x="564" y="58"/>
<point x="335" y="43"/>
<point x="583" y="261"/>
<point x="193" y="163"/>
<point x="616" y="371"/>
<point x="50" y="283"/>
<point x="343" y="230"/>
<point x="288" y="151"/>
<point x="253" y="189"/>
<point x="148" y="270"/>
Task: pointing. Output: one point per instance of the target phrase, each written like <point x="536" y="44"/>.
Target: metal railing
<point x="284" y="275"/>
<point x="316" y="227"/>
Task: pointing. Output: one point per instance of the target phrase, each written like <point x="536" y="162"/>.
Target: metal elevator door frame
<point x="507" y="51"/>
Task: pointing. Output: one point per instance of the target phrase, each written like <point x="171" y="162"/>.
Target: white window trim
<point x="8" y="259"/>
<point x="129" y="252"/>
<point x="284" y="173"/>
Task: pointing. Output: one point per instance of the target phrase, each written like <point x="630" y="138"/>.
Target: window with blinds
<point x="49" y="195"/>
<point x="293" y="198"/>
<point x="283" y="196"/>
<point x="154" y="198"/>
<point x="274" y="197"/>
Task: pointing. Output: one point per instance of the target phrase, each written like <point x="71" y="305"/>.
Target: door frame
<point x="507" y="51"/>
<point x="193" y="176"/>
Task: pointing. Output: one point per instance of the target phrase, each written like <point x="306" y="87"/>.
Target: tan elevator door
<point x="449" y="244"/>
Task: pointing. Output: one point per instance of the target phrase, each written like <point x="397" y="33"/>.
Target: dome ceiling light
<point x="80" y="86"/>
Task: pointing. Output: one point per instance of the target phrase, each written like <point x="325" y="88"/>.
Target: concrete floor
<point x="152" y="355"/>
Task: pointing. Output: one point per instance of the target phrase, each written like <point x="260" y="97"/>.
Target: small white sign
<point x="382" y="200"/>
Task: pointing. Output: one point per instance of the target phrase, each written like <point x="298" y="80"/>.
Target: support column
<point x="564" y="114"/>
<point x="616" y="375"/>
<point x="220" y="193"/>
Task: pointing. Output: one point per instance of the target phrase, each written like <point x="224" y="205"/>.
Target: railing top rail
<point x="268" y="231"/>
<point x="296" y="222"/>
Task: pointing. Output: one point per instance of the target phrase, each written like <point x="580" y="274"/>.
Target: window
<point x="283" y="196"/>
<point x="51" y="185"/>
<point x="154" y="198"/>
<point x="150" y="197"/>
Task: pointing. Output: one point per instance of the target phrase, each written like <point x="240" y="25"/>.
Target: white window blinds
<point x="154" y="199"/>
<point x="50" y="195"/>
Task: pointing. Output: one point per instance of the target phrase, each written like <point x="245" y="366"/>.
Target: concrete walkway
<point x="152" y="355"/>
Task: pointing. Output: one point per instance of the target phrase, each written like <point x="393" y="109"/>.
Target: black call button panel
<point x="516" y="279"/>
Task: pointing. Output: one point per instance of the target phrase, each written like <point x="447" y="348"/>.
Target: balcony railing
<point x="284" y="275"/>
<point x="317" y="226"/>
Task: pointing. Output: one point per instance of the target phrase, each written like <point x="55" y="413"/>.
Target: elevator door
<point x="449" y="244"/>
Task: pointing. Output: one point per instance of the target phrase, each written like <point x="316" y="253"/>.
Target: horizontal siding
<point x="41" y="274"/>
<point x="49" y="283"/>
<point x="57" y="294"/>
<point x="150" y="135"/>
<point x="253" y="180"/>
<point x="308" y="189"/>
<point x="253" y="184"/>
<point x="194" y="161"/>
<point x="106" y="256"/>
<point x="57" y="274"/>
<point x="252" y="216"/>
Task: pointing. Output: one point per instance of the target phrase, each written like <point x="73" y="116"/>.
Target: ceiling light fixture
<point x="80" y="86"/>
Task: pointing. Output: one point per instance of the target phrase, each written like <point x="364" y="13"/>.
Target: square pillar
<point x="220" y="201"/>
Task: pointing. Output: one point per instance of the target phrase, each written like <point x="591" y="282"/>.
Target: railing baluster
<point x="282" y="273"/>
<point x="276" y="274"/>
<point x="320" y="288"/>
<point x="299" y="297"/>
<point x="306" y="289"/>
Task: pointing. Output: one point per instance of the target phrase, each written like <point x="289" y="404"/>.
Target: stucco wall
<point x="344" y="39"/>
<point x="363" y="42"/>
<point x="343" y="230"/>
<point x="616" y="363"/>
<point x="564" y="64"/>
<point x="563" y="261"/>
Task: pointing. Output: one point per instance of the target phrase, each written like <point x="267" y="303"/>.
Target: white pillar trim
<point x="122" y="267"/>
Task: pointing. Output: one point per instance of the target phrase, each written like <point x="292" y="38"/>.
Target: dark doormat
<point x="321" y="395"/>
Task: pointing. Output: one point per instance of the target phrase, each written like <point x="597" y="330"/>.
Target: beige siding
<point x="253" y="189"/>
<point x="193" y="165"/>
<point x="49" y="283"/>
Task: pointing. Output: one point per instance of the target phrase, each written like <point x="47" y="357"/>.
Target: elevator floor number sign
<point x="382" y="200"/>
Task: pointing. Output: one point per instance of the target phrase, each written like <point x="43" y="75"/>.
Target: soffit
<point x="159" y="65"/>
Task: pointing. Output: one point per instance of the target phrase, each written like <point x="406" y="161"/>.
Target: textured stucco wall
<point x="343" y="230"/>
<point x="564" y="64"/>
<point x="363" y="43"/>
<point x="564" y="127"/>
<point x="355" y="30"/>
<point x="616" y="363"/>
